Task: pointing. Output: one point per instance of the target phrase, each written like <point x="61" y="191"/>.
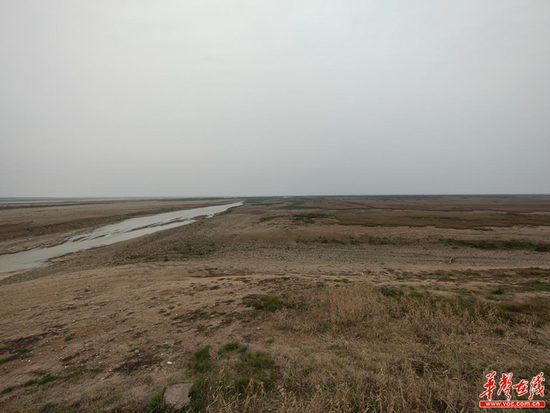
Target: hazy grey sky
<point x="231" y="97"/>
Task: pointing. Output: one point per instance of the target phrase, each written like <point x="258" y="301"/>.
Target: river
<point x="107" y="235"/>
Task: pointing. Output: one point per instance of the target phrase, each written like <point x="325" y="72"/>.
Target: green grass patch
<point x="268" y="203"/>
<point x="499" y="244"/>
<point x="258" y="366"/>
<point x="380" y="241"/>
<point x="269" y="218"/>
<point x="537" y="272"/>
<point x="8" y="390"/>
<point x="472" y="273"/>
<point x="234" y="375"/>
<point x="157" y="404"/>
<point x="113" y="399"/>
<point x="202" y="360"/>
<point x="7" y="359"/>
<point x="233" y="345"/>
<point x="198" y="395"/>
<point x="535" y="286"/>
<point x="498" y="291"/>
<point x="258" y="360"/>
<point x="310" y="217"/>
<point x="46" y="380"/>
<point x="536" y="311"/>
<point x="390" y="292"/>
<point x="269" y="303"/>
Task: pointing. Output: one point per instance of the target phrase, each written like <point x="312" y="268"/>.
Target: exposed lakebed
<point x="107" y="235"/>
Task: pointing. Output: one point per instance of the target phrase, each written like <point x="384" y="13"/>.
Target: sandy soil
<point x="125" y="319"/>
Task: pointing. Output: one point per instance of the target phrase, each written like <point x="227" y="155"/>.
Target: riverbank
<point x="109" y="235"/>
<point x="44" y="226"/>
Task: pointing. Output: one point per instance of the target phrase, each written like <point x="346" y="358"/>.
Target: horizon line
<point x="266" y="196"/>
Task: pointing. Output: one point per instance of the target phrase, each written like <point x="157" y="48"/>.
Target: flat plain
<point x="283" y="304"/>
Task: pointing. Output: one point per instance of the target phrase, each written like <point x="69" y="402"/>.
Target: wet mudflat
<point x="107" y="235"/>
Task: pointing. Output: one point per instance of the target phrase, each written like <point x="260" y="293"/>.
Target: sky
<point x="280" y="97"/>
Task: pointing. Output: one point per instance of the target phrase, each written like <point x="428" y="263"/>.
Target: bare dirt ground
<point x="107" y="329"/>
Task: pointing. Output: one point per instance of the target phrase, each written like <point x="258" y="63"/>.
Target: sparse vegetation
<point x="234" y="382"/>
<point x="358" y="321"/>
<point x="157" y="404"/>
<point x="202" y="361"/>
<point x="295" y="205"/>
<point x="370" y="241"/>
<point x="498" y="291"/>
<point x="498" y="244"/>
<point x="390" y="292"/>
<point x="8" y="390"/>
<point x="234" y="345"/>
<point x="321" y="318"/>
<point x="536" y="311"/>
<point x="435" y="341"/>
<point x="269" y="218"/>
<point x="268" y="303"/>
<point x="310" y="218"/>
<point x="258" y="366"/>
<point x="7" y="359"/>
<point x="112" y="399"/>
<point x="46" y="380"/>
<point x="267" y="203"/>
<point x="535" y="286"/>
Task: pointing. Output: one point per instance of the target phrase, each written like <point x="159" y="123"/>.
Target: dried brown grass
<point x="441" y="219"/>
<point x="358" y="348"/>
<point x="354" y="349"/>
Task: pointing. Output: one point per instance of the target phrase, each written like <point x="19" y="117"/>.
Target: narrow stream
<point x="107" y="235"/>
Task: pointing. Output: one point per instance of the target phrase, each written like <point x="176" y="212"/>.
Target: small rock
<point x="177" y="395"/>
